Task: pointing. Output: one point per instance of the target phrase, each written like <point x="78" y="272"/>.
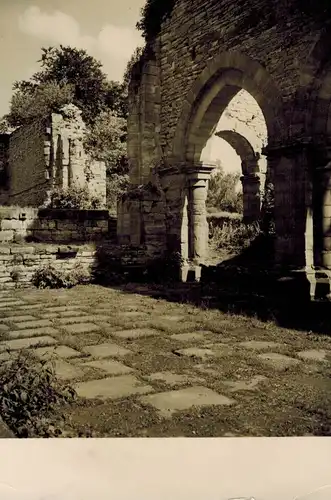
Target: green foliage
<point x="153" y="14"/>
<point x="222" y="192"/>
<point x="72" y="198"/>
<point x="31" y="395"/>
<point x="117" y="185"/>
<point x="132" y="65"/>
<point x="105" y="140"/>
<point x="233" y="237"/>
<point x="65" y="68"/>
<point x="51" y="277"/>
<point x="38" y="102"/>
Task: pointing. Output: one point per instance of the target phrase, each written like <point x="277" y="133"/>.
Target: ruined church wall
<point x="27" y="165"/>
<point x="198" y="31"/>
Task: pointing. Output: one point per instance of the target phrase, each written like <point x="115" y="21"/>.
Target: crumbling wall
<point x="49" y="153"/>
<point x="28" y="170"/>
<point x="4" y="179"/>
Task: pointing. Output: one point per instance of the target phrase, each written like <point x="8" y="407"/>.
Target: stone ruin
<point x="34" y="159"/>
<point x="46" y="154"/>
<point x="205" y="53"/>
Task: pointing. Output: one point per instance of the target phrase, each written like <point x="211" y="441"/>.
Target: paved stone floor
<point x="165" y="360"/>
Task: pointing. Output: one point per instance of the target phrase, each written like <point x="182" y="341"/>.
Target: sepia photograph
<point x="165" y="219"/>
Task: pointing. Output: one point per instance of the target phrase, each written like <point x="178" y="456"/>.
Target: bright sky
<point x="105" y="28"/>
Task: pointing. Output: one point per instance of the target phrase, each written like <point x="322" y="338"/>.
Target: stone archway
<point x="221" y="80"/>
<point x="251" y="178"/>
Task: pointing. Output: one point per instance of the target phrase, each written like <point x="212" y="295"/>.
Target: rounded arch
<point x="243" y="148"/>
<point x="219" y="82"/>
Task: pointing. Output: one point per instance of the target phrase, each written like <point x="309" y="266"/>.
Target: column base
<point x="190" y="273"/>
<point x="305" y="285"/>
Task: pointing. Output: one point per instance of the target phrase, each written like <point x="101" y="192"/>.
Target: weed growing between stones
<point x="50" y="277"/>
<point x="31" y="397"/>
<point x="73" y="198"/>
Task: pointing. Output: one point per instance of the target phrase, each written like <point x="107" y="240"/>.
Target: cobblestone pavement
<point x="150" y="367"/>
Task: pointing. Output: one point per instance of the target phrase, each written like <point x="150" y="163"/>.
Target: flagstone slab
<point x="259" y="344"/>
<point x="112" y="388"/>
<point x="64" y="370"/>
<point x="37" y="323"/>
<point x="314" y="355"/>
<point x="174" y="379"/>
<point x="191" y="336"/>
<point x="16" y="319"/>
<point x="82" y="328"/>
<point x="278" y="361"/>
<point x="244" y="385"/>
<point x="26" y="343"/>
<point x="106" y="350"/>
<point x="110" y="366"/>
<point x="167" y="403"/>
<point x="61" y="351"/>
<point x="135" y="333"/>
<point x="218" y="350"/>
<point x="34" y="332"/>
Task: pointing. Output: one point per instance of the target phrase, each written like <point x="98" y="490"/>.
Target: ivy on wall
<point x="153" y="14"/>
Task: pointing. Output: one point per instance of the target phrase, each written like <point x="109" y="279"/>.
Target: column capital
<point x="200" y="171"/>
<point x="193" y="170"/>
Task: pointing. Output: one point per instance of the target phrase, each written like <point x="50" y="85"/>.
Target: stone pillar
<point x="251" y="197"/>
<point x="292" y="199"/>
<point x="198" y="177"/>
<point x="322" y="216"/>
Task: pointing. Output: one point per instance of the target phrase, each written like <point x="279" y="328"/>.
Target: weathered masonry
<point x="45" y="154"/>
<point x="205" y="53"/>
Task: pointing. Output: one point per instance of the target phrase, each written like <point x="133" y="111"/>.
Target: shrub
<point x="234" y="238"/>
<point x="31" y="396"/>
<point x="72" y="198"/>
<point x="50" y="277"/>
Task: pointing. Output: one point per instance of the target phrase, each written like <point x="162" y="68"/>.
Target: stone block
<point x="106" y="350"/>
<point x="167" y="403"/>
<point x="25" y="343"/>
<point x="112" y="388"/>
<point x="7" y="235"/>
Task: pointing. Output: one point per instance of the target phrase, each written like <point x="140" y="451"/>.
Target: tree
<point x="38" y="102"/>
<point x="222" y="192"/>
<point x="106" y="141"/>
<point x="92" y="92"/>
<point x="136" y="56"/>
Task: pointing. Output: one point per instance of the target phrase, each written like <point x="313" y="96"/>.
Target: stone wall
<point x="28" y="171"/>
<point x="49" y="153"/>
<point x="274" y="35"/>
<point x="47" y="225"/>
<point x="18" y="263"/>
<point x="206" y="52"/>
<point x="102" y="262"/>
<point x="4" y="179"/>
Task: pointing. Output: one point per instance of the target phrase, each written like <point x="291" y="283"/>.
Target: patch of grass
<point x="31" y="397"/>
<point x="233" y="238"/>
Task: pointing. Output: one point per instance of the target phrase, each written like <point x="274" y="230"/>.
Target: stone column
<point x="251" y="197"/>
<point x="198" y="177"/>
<point x="322" y="215"/>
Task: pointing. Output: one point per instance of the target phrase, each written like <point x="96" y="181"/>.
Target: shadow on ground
<point x="243" y="285"/>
